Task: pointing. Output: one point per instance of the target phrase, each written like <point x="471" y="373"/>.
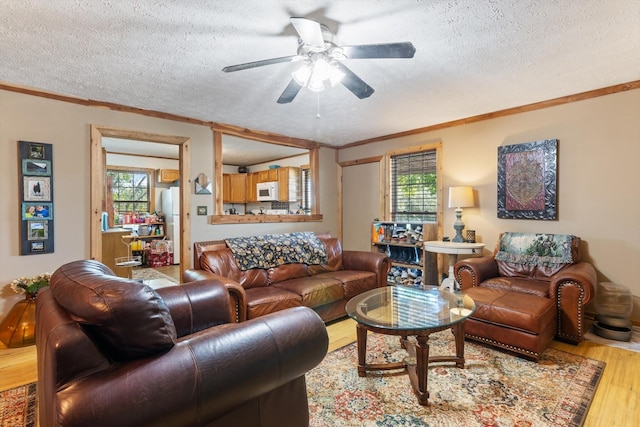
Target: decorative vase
<point x="18" y="328"/>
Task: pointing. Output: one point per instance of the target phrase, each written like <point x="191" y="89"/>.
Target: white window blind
<point x="305" y="200"/>
<point x="414" y="187"/>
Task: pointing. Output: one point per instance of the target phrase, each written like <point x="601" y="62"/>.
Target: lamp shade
<point x="460" y="197"/>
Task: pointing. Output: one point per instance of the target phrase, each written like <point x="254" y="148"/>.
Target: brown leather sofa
<point x="526" y="297"/>
<point x="325" y="288"/>
<point x="114" y="352"/>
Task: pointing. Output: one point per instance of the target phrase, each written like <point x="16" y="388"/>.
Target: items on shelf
<point x="402" y="242"/>
<point x="404" y="276"/>
<point x="123" y="218"/>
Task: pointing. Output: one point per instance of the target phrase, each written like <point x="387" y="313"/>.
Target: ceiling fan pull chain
<point x="318" y="114"/>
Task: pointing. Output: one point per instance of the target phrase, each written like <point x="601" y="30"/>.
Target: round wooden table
<point x="410" y="312"/>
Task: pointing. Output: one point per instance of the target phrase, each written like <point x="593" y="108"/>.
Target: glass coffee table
<point x="406" y="312"/>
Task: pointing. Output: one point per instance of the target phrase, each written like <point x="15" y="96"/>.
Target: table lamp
<point x="460" y="197"/>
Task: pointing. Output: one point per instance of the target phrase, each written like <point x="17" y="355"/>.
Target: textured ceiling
<point x="472" y="57"/>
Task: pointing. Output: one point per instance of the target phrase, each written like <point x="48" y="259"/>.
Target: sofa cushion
<point x="265" y="300"/>
<point x="513" y="310"/>
<point x="353" y="282"/>
<point x="334" y="256"/>
<point x="286" y="271"/>
<point x="518" y="284"/>
<point x="314" y="290"/>
<point x="127" y="319"/>
<point x="223" y="263"/>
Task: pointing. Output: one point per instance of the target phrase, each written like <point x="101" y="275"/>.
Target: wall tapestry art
<point x="527" y="180"/>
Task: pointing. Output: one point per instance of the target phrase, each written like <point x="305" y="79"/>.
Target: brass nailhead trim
<point x="473" y="276"/>
<point x="499" y="344"/>
<point x="559" y="332"/>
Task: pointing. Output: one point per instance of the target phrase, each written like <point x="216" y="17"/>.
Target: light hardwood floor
<point x="616" y="402"/>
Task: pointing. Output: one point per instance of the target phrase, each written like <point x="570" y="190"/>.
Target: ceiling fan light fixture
<point x="315" y="75"/>
<point x="302" y="74"/>
<point x="315" y="84"/>
<point x="321" y="61"/>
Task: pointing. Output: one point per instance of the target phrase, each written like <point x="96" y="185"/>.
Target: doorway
<point x="98" y="173"/>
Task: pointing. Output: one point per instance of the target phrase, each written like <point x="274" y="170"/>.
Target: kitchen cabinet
<point x="267" y="175"/>
<point x="234" y="188"/>
<point x="252" y="193"/>
<point x="241" y="187"/>
<point x="167" y="175"/>
<point x="288" y="184"/>
<point x="113" y="246"/>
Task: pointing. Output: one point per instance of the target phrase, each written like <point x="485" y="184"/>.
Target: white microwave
<point x="267" y="191"/>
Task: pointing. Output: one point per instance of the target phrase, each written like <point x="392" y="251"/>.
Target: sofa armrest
<point x="368" y="261"/>
<point x="201" y="378"/>
<point x="581" y="274"/>
<point x="473" y="271"/>
<point x="198" y="305"/>
<point x="236" y="291"/>
<point x="572" y="288"/>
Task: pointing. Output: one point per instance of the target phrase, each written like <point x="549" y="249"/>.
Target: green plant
<point x="31" y="285"/>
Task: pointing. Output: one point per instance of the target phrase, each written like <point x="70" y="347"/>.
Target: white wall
<point x="598" y="177"/>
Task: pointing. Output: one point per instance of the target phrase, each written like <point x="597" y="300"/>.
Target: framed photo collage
<point x="36" y="197"/>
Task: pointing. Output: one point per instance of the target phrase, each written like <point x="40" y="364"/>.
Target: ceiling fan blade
<point x="387" y="50"/>
<point x="290" y="92"/>
<point x="309" y="31"/>
<point x="354" y="83"/>
<point x="262" y="63"/>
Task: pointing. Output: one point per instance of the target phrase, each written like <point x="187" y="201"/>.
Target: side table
<point x="452" y="250"/>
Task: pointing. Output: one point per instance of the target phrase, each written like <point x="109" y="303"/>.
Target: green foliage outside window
<point x="414" y="196"/>
<point x="130" y="190"/>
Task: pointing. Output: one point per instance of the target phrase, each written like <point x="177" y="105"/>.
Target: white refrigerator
<point x="171" y="210"/>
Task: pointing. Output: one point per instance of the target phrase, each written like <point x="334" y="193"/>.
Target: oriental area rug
<point x="18" y="406"/>
<point x="493" y="389"/>
<point x="150" y="274"/>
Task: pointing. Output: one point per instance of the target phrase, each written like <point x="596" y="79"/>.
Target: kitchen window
<point x="131" y="190"/>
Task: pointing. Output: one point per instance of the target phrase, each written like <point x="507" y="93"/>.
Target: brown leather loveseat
<point x="532" y="289"/>
<point x="325" y="286"/>
<point x="114" y="352"/>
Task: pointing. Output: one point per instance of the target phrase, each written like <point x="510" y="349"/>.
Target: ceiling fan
<point x="321" y="61"/>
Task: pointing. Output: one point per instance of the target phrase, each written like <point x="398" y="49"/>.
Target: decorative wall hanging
<point x="35" y="162"/>
<point x="527" y="180"/>
<point x="202" y="184"/>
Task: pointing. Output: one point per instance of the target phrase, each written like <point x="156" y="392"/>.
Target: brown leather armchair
<point x="114" y="352"/>
<point x="528" y="293"/>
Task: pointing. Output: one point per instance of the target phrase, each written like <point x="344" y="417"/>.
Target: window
<point x="414" y="195"/>
<point x="305" y="199"/>
<point x="130" y="190"/>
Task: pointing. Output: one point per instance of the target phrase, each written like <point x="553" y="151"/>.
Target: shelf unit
<point x="152" y="229"/>
<point x="403" y="243"/>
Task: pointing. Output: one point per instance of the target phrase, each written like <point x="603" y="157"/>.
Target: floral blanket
<point x="272" y="250"/>
<point x="535" y="249"/>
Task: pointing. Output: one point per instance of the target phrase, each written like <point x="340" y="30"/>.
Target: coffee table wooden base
<point x="418" y="370"/>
